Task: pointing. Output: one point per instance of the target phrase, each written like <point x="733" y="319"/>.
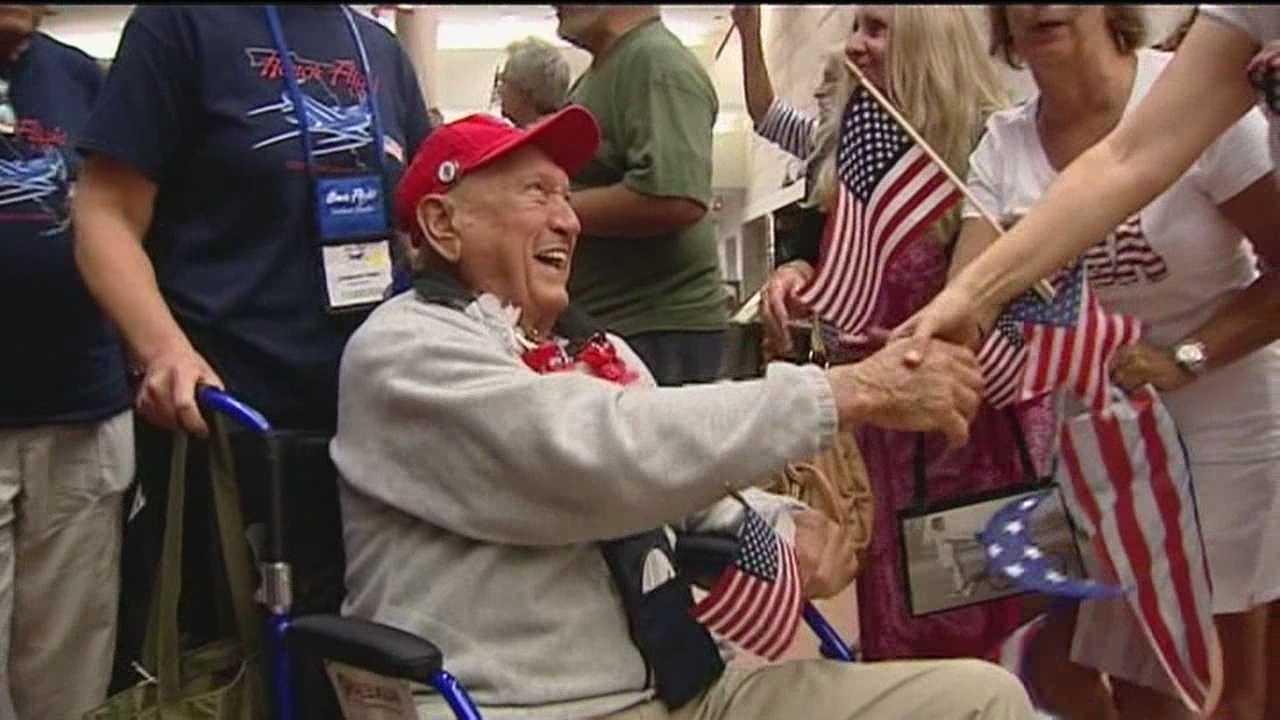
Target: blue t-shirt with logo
<point x="60" y="360"/>
<point x="196" y="101"/>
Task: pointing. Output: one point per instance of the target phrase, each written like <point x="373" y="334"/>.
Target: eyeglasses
<point x="495" y="98"/>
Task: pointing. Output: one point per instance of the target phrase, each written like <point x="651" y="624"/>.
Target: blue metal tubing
<point x="448" y="686"/>
<point x="281" y="673"/>
<point x="215" y="400"/>
<point x="242" y="414"/>
<point x="833" y="646"/>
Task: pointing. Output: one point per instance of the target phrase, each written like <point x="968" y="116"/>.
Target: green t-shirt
<point x="656" y="107"/>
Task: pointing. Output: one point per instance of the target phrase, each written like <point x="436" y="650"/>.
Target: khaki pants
<point x="830" y="690"/>
<point x="60" y="513"/>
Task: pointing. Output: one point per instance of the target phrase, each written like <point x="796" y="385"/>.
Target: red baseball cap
<point x="569" y="137"/>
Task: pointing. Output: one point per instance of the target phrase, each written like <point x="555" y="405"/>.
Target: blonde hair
<point x="942" y="82"/>
<point x="1127" y="23"/>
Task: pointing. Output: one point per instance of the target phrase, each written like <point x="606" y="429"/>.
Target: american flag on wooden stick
<point x="1037" y="347"/>
<point x="888" y="191"/>
<point x="756" y="602"/>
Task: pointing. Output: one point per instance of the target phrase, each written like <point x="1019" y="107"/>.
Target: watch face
<point x="1189" y="355"/>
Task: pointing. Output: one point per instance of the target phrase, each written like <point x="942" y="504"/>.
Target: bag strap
<point x="235" y="548"/>
<point x="1024" y="454"/>
<point x="795" y="474"/>
<point x="920" y="495"/>
<point x="161" y="649"/>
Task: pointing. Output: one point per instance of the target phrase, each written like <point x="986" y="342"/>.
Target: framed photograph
<point x="944" y="565"/>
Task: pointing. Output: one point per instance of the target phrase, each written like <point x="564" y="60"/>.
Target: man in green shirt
<point x="646" y="264"/>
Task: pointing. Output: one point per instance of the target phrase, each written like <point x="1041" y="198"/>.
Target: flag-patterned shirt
<point x="1172" y="264"/>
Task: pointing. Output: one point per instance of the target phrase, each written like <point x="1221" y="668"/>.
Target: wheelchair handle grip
<point x="213" y="399"/>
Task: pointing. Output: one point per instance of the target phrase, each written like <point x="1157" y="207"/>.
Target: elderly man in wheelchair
<point x="511" y="478"/>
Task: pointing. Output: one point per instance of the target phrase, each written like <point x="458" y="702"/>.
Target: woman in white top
<point x="1182" y="265"/>
<point x="1207" y="88"/>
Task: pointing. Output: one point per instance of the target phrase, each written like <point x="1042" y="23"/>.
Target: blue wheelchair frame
<point x="375" y="647"/>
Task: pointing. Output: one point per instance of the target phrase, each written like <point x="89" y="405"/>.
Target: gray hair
<point x="827" y="134"/>
<point x="537" y="67"/>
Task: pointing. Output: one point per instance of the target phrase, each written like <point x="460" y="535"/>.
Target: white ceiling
<point x="96" y="28"/>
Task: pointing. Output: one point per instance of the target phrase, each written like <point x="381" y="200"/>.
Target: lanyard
<point x="298" y="99"/>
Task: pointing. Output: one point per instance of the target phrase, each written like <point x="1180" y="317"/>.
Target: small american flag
<point x="888" y="191"/>
<point x="1037" y="347"/>
<point x="756" y="602"/>
<point x="1126" y="480"/>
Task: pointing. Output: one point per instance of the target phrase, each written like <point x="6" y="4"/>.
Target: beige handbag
<point x="834" y="483"/>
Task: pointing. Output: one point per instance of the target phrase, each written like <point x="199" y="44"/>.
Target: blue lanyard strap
<point x="298" y="99"/>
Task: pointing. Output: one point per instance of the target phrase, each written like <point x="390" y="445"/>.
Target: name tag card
<point x="356" y="274"/>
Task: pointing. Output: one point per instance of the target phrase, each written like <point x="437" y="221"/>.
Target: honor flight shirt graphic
<point x="62" y="362"/>
<point x="197" y="102"/>
<point x="33" y="175"/>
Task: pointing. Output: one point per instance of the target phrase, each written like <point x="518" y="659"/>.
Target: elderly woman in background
<point x="1183" y="265"/>
<point x="932" y="63"/>
<point x="533" y="82"/>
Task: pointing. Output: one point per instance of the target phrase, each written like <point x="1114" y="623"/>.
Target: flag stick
<point x="1042" y="288"/>
<point x="728" y="33"/>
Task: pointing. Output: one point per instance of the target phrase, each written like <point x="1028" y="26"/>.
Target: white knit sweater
<point x="473" y="491"/>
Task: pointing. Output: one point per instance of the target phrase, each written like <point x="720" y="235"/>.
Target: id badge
<point x="351" y="217"/>
<point x="351" y="207"/>
<point x="356" y="274"/>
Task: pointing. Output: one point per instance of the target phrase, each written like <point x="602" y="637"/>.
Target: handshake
<point x="899" y="388"/>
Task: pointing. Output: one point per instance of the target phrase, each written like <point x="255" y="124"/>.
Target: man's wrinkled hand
<point x="940" y="393"/>
<point x="826" y="554"/>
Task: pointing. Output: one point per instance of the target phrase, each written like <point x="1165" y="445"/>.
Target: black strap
<point x="678" y="651"/>
<point x="920" y="496"/>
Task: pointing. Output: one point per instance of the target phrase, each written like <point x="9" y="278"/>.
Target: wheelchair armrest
<point x="702" y="557"/>
<point x="367" y="645"/>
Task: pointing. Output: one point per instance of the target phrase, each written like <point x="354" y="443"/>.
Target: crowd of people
<point x="513" y="328"/>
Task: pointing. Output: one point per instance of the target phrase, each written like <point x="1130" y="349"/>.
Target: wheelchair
<point x="371" y="646"/>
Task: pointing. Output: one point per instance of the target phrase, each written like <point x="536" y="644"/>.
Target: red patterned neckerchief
<point x="598" y="355"/>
